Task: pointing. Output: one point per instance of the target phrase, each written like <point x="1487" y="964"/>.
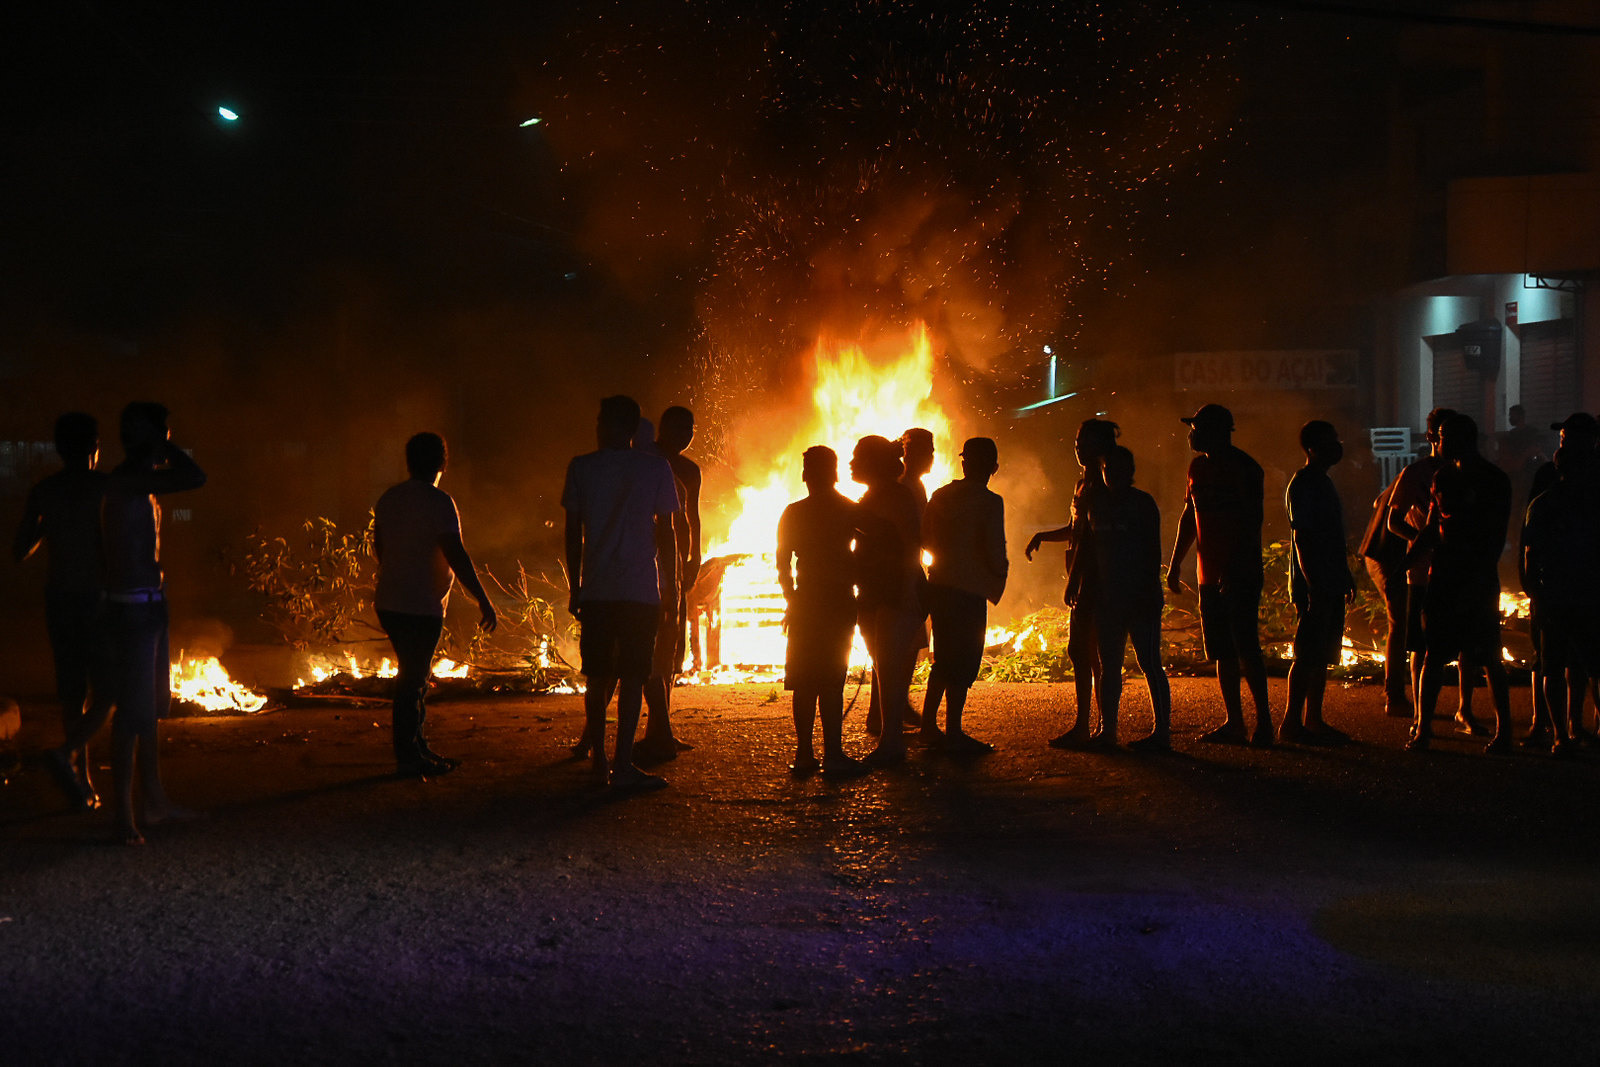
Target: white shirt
<point x="413" y="575"/>
<point x="617" y="493"/>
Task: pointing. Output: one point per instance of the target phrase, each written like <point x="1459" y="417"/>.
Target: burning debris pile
<point x="318" y="596"/>
<point x="200" y="686"/>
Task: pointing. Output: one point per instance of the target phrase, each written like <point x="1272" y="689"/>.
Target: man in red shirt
<point x="1222" y="519"/>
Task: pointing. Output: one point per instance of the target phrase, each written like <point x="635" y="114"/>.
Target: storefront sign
<point x="1291" y="370"/>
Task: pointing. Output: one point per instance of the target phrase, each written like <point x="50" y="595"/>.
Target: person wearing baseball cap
<point x="964" y="529"/>
<point x="1222" y="514"/>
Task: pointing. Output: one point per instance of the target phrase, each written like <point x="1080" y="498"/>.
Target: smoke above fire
<point x="826" y="172"/>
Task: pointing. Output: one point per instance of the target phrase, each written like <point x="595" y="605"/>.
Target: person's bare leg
<point x="624" y="774"/>
<point x="596" y="698"/>
<point x="157" y="805"/>
<point x="875" y="703"/>
<point x="830" y="709"/>
<point x="805" y="724"/>
<point x="1254" y="671"/>
<point x="1294" y="727"/>
<point x="1147" y="650"/>
<point x="1467" y="681"/>
<point x="1429" y="684"/>
<point x="124" y="746"/>
<point x="930" y="703"/>
<point x="1081" y="654"/>
<point x="1232" y="730"/>
<point x="1500" y="694"/>
<point x="1317" y="686"/>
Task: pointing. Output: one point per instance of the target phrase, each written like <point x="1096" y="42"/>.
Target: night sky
<point x="379" y="245"/>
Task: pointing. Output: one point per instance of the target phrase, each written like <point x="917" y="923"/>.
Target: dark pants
<point x="81" y="648"/>
<point x="415" y="639"/>
<point x="143" y="666"/>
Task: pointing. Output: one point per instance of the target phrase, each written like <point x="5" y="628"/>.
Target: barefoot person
<point x="1561" y="572"/>
<point x="417" y="539"/>
<point x="63" y="514"/>
<point x="817" y="571"/>
<point x="964" y="528"/>
<point x="890" y="579"/>
<point x="679" y="568"/>
<point x="1095" y="436"/>
<point x="1466" y="529"/>
<point x="916" y="457"/>
<point x="1125" y="542"/>
<point x="1221" y="519"/>
<point x="137" y="611"/>
<point x="1319" y="583"/>
<point x="613" y="497"/>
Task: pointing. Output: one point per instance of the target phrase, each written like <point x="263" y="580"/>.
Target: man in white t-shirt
<point x="417" y="539"/>
<point x="613" y="497"/>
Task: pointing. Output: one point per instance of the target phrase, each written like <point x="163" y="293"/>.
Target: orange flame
<point x="202" y="680"/>
<point x="854" y="396"/>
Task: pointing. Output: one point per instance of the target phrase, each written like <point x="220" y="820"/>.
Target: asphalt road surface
<point x="1217" y="904"/>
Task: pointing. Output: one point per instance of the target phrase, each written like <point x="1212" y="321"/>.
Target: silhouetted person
<point x="1095" y="437"/>
<point x="890" y="611"/>
<point x="613" y="497"/>
<point x="1408" y="512"/>
<point x="1579" y="433"/>
<point x="817" y="570"/>
<point x="416" y="536"/>
<point x="658" y="745"/>
<point x="137" y="611"/>
<point x="1222" y="515"/>
<point x="1520" y="451"/>
<point x="659" y="742"/>
<point x="1466" y="525"/>
<point x="916" y="450"/>
<point x="916" y="455"/>
<point x="1319" y="582"/>
<point x="1125" y="543"/>
<point x="964" y="529"/>
<point x="1561" y="573"/>
<point x="63" y="514"/>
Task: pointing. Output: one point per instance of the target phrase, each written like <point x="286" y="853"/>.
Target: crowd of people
<point x="632" y="546"/>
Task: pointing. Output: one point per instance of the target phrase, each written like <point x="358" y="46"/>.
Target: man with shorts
<point x="678" y="557"/>
<point x="817" y="572"/>
<point x="63" y="514"/>
<point x="1222" y="514"/>
<point x="1319" y="583"/>
<point x="136" y="610"/>
<point x="1408" y="512"/>
<point x="613" y="497"/>
<point x="964" y="528"/>
<point x="1466" y="528"/>
<point x="1561" y="572"/>
<point x="1579" y="434"/>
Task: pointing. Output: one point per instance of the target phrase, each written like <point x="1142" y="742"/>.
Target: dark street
<point x="1214" y="905"/>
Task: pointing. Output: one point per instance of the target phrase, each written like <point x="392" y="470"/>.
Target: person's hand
<point x="1174" y="580"/>
<point x="1033" y="546"/>
<point x="487" y="620"/>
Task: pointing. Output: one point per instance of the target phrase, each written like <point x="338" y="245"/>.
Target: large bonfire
<point x="853" y="395"/>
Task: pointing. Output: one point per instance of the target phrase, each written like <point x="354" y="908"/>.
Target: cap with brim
<point x="1578" y="422"/>
<point x="1211" y="415"/>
